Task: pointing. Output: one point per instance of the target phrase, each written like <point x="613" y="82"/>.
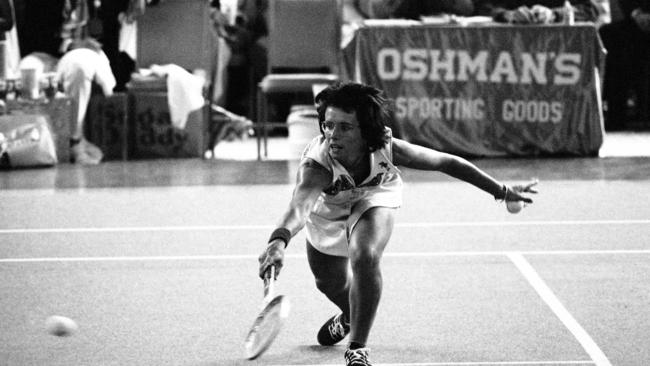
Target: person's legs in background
<point x="618" y="76"/>
<point x="77" y="84"/>
<point x="641" y="58"/>
<point x="246" y="69"/>
<point x="627" y="73"/>
<point x="79" y="87"/>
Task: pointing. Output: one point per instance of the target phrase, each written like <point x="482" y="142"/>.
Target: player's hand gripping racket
<point x="268" y="323"/>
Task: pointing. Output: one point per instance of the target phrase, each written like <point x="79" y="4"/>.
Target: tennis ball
<point x="60" y="326"/>
<point x="514" y="206"/>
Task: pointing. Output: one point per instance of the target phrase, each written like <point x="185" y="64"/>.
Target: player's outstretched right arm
<point x="312" y="179"/>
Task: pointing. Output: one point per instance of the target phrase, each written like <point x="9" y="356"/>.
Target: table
<point x="487" y="89"/>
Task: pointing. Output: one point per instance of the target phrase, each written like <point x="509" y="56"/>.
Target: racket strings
<point x="266" y="327"/>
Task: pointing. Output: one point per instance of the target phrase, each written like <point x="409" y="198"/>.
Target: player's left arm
<point x="418" y="157"/>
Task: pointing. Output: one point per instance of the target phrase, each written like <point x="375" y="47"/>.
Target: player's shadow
<point x="322" y="350"/>
<point x="304" y="354"/>
<point x="308" y="354"/>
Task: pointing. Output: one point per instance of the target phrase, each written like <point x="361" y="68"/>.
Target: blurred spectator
<point x="536" y="11"/>
<point x="246" y="38"/>
<point x="39" y="24"/>
<point x="628" y="61"/>
<point x="352" y="20"/>
<point x="412" y="9"/>
<point x="114" y="14"/>
<point x="6" y="18"/>
<point x="6" y="23"/>
<point x="50" y="34"/>
<point x="11" y="49"/>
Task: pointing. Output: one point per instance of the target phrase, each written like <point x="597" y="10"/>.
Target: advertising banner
<point x="488" y="90"/>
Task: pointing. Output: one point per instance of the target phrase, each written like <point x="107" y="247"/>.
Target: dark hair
<point x="368" y="102"/>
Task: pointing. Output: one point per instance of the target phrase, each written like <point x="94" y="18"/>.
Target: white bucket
<point x="303" y="127"/>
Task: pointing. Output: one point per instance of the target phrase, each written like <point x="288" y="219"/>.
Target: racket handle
<point x="269" y="281"/>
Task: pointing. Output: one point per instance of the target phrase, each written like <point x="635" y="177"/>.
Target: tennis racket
<point x="268" y="323"/>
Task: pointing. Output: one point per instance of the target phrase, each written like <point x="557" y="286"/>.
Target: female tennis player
<point x="347" y="192"/>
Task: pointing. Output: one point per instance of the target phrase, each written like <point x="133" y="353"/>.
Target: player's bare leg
<point x="332" y="278"/>
<point x="367" y="243"/>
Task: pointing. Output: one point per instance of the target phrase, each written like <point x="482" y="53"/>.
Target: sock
<point x="356" y="345"/>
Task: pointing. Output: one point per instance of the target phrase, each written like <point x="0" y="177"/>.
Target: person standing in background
<point x="39" y="25"/>
<point x="246" y="35"/>
<point x="627" y="64"/>
<point x="113" y="14"/>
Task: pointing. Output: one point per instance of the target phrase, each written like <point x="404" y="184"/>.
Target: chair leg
<point x="266" y="130"/>
<point x="263" y="122"/>
<point x="643" y="97"/>
<point x="258" y="124"/>
<point x="259" y="148"/>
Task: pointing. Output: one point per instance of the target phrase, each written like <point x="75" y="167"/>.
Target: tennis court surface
<point x="156" y="261"/>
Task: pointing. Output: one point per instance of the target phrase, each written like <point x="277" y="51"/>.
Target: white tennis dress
<point x="342" y="203"/>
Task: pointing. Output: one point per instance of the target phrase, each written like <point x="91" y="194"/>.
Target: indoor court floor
<point x="156" y="261"/>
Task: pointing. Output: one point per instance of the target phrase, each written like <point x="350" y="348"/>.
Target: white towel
<point x="184" y="92"/>
<point x="128" y="38"/>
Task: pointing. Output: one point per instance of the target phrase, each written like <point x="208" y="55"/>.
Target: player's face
<point x="343" y="134"/>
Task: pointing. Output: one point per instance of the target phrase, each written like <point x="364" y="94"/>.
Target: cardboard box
<point x="153" y="134"/>
<point x="107" y="125"/>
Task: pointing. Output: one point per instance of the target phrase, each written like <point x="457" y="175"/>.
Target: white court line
<point x="128" y="229"/>
<point x="508" y="252"/>
<point x="560" y="311"/>
<point x="302" y="256"/>
<point x="487" y="363"/>
<point x="266" y="227"/>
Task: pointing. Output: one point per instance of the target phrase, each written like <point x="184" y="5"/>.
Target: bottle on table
<point x="569" y="14"/>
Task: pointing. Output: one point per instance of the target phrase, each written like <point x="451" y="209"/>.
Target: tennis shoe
<point x="357" y="357"/>
<point x="333" y="331"/>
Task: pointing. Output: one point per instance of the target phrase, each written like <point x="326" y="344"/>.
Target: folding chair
<point x="304" y="50"/>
